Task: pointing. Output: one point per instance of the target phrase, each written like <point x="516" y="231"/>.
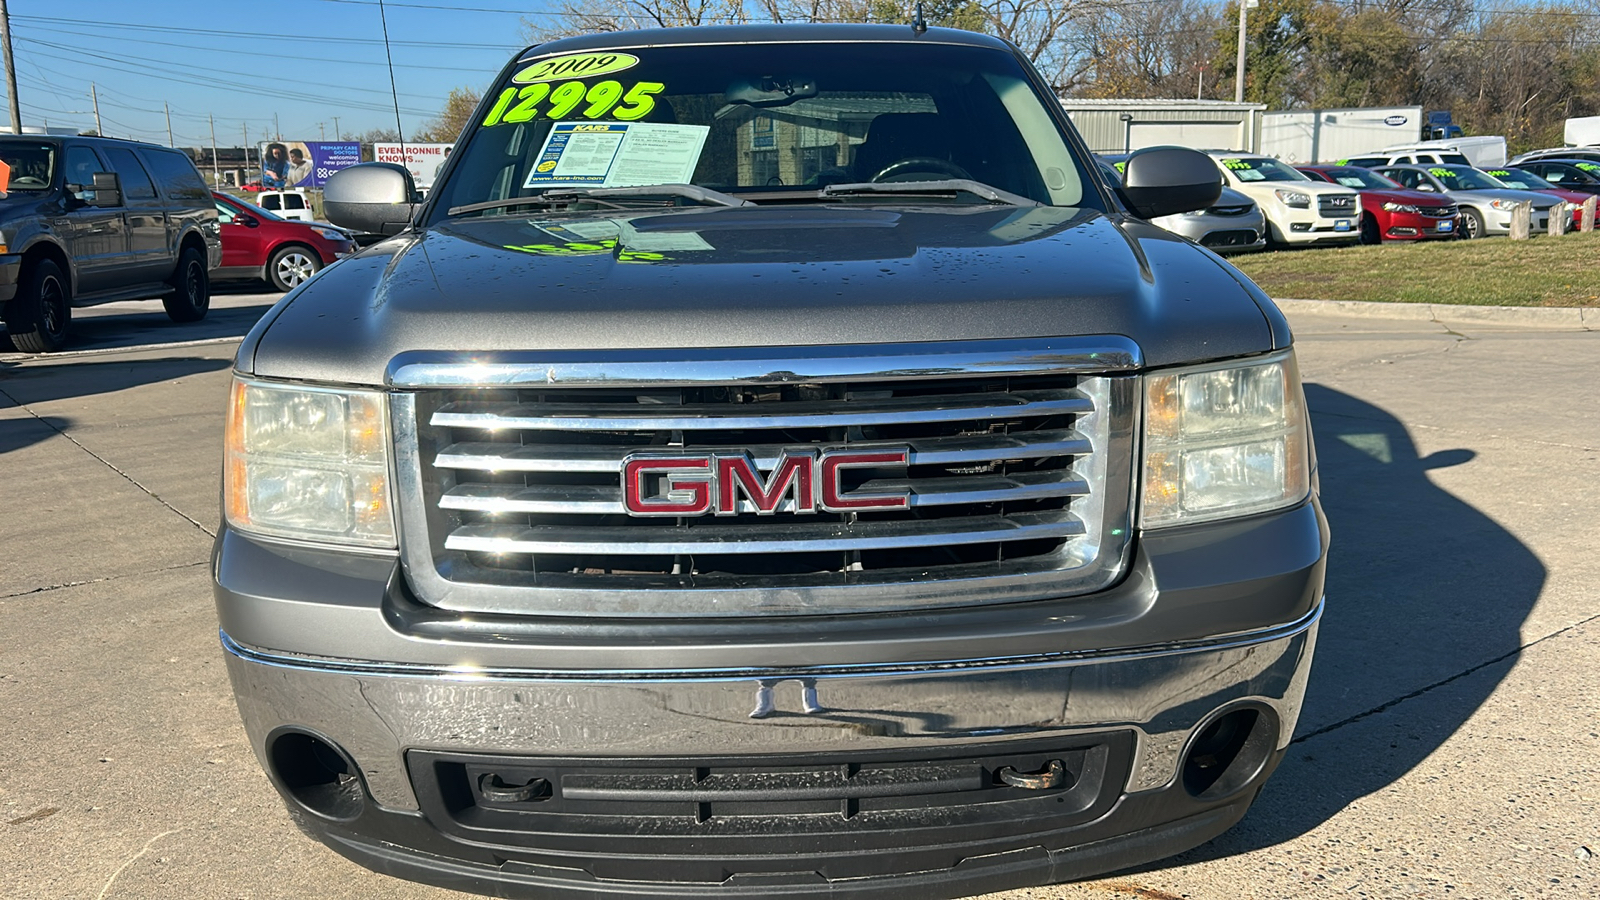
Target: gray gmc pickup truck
<point x="771" y="462"/>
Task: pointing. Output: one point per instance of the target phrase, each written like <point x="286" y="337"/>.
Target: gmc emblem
<point x="695" y="484"/>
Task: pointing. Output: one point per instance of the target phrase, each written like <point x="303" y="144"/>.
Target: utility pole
<point x="95" y="98"/>
<point x="1238" y="71"/>
<point x="275" y="129"/>
<point x="337" y="135"/>
<point x="168" y="107"/>
<point x="322" y="131"/>
<point x="216" y="174"/>
<point x="11" y="70"/>
<point x="244" y="131"/>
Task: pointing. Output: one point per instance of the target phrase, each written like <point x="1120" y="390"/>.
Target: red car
<point x="1390" y="212"/>
<point x="257" y="243"/>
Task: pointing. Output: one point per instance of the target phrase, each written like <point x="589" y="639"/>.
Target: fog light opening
<point x="316" y="774"/>
<point x="1229" y="752"/>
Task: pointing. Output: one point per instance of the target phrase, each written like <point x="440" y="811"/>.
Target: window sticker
<point x="617" y="154"/>
<point x="575" y="65"/>
<point x="1235" y="164"/>
<point x="1442" y="173"/>
<point x="574" y="99"/>
<point x="1588" y="166"/>
<point x="1499" y="173"/>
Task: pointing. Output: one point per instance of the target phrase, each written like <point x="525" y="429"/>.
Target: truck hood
<point x="759" y="276"/>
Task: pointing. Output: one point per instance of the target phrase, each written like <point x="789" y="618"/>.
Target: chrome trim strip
<point x="1240" y="640"/>
<point x="735" y="539"/>
<point x="607" y="500"/>
<point x="938" y="451"/>
<point x="773" y="365"/>
<point x="911" y="411"/>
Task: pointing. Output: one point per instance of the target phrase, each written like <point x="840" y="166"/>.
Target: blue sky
<point x="308" y="61"/>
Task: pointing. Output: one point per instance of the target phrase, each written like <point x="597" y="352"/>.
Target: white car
<point x="1298" y="210"/>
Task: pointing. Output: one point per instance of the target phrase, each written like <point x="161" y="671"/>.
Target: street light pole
<point x="1238" y="70"/>
<point x="168" y="107"/>
<point x="216" y="175"/>
<point x="11" y="70"/>
<point x="95" y="99"/>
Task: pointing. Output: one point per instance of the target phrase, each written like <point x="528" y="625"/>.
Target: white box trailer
<point x="1583" y="131"/>
<point x="1119" y="126"/>
<point x="1307" y="136"/>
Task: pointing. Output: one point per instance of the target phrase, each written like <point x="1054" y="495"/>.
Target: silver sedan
<point x="1234" y="224"/>
<point x="1486" y="202"/>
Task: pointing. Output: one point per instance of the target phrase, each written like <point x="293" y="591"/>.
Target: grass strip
<point x="1545" y="271"/>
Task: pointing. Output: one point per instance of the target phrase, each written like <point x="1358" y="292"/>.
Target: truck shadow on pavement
<point x="1422" y="589"/>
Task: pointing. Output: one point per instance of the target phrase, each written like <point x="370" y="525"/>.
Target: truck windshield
<point x="33" y="166"/>
<point x="1260" y="168"/>
<point x="1465" y="178"/>
<point x="765" y="122"/>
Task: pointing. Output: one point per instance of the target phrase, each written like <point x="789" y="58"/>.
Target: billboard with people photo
<point x="291" y="164"/>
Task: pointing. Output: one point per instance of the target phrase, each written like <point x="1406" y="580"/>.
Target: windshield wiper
<point x="942" y="187"/>
<point x="563" y="196"/>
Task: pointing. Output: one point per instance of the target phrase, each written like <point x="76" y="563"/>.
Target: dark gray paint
<point x="774" y="276"/>
<point x="1183" y="584"/>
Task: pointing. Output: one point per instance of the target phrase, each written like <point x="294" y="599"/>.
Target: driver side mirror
<point x="247" y="221"/>
<point x="1164" y="181"/>
<point x="372" y="198"/>
<point x="107" y="189"/>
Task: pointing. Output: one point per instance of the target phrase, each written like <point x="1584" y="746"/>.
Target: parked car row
<point x="1409" y="196"/>
<point x="89" y="220"/>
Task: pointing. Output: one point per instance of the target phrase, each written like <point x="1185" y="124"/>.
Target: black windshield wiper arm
<point x="929" y="188"/>
<point x="559" y="196"/>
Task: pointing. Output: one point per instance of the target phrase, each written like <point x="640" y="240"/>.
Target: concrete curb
<point x="1585" y="318"/>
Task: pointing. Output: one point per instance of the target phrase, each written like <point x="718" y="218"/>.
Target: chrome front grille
<point x="1333" y="206"/>
<point x="1017" y="487"/>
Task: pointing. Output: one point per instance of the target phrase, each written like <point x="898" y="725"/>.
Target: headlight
<point x="1294" y="199"/>
<point x="1223" y="441"/>
<point x="1399" y="207"/>
<point x="1507" y="205"/>
<point x="329" y="234"/>
<point x="308" y="463"/>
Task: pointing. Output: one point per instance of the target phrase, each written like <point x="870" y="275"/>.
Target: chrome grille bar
<point x="488" y="456"/>
<point x="555" y="499"/>
<point x="713" y="538"/>
<point x="725" y="416"/>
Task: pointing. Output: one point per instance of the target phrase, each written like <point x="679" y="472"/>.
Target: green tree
<point x="1278" y="34"/>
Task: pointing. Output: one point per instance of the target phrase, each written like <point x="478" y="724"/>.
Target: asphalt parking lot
<point x="1448" y="746"/>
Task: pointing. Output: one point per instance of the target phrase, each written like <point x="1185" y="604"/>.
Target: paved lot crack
<point x="107" y="463"/>
<point x="1386" y="706"/>
<point x="71" y="584"/>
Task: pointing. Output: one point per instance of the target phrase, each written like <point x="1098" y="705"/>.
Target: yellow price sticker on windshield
<point x="1441" y="173"/>
<point x="1235" y="164"/>
<point x="574" y="99"/>
<point x="576" y="65"/>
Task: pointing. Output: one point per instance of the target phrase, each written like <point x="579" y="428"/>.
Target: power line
<point x="254" y="38"/>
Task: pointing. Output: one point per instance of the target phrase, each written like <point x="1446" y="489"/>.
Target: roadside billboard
<point x="424" y="160"/>
<point x="307" y="164"/>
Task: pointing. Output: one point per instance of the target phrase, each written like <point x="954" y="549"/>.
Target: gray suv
<point x="88" y="220"/>
<point x="771" y="462"/>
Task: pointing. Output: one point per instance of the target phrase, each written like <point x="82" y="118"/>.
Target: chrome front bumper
<point x="377" y="712"/>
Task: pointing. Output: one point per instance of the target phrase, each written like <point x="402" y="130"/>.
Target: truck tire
<point x="291" y="266"/>
<point x="39" y="318"/>
<point x="1471" y="223"/>
<point x="190" y="299"/>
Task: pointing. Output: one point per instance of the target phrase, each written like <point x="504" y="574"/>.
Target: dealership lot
<point x="1447" y="747"/>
